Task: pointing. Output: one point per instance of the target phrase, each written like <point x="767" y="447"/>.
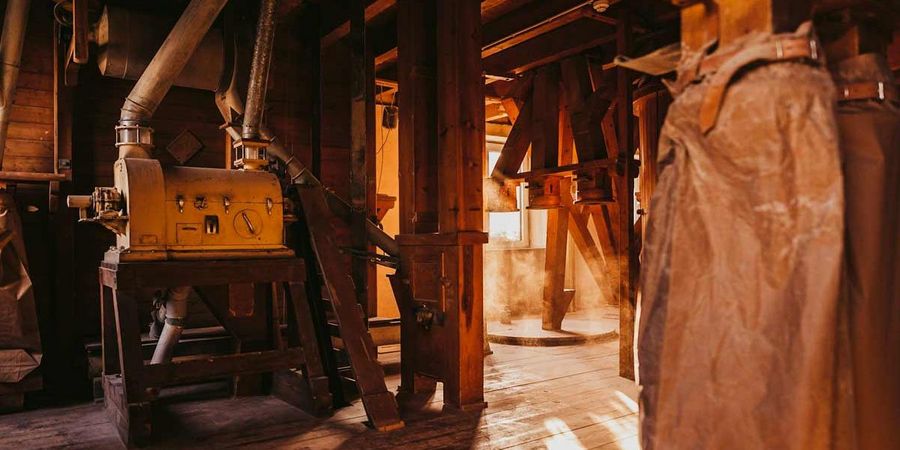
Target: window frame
<point x="525" y="242"/>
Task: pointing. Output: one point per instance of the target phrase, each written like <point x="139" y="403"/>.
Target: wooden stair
<point x="343" y="316"/>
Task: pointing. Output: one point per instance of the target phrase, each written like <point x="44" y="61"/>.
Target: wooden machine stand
<point x="131" y="383"/>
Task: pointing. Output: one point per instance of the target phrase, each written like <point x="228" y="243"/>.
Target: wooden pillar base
<point x="441" y="338"/>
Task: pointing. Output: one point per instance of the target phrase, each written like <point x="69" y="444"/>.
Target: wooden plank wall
<point x="336" y="118"/>
<point x="30" y="142"/>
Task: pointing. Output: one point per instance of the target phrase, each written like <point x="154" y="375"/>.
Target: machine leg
<point x="127" y="402"/>
<point x="108" y="336"/>
<point x="314" y="394"/>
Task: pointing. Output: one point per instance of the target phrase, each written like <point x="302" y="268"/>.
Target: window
<point x="506" y="229"/>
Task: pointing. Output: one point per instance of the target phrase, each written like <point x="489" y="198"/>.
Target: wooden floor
<point x="550" y="397"/>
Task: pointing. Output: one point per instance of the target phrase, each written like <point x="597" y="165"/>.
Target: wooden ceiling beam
<point x="375" y="9"/>
<point x="558" y="44"/>
<point x="523" y="25"/>
<point x="527" y="23"/>
<point x="494" y="111"/>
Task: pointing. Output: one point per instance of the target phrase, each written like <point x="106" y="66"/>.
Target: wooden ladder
<point x="347" y="319"/>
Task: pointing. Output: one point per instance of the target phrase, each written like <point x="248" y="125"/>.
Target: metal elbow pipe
<point x="259" y="70"/>
<point x="176" y="312"/>
<point x="296" y="170"/>
<point x="15" y="23"/>
<point x="134" y="139"/>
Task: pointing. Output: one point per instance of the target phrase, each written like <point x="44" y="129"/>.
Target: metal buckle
<point x="813" y="50"/>
<point x="881" y="91"/>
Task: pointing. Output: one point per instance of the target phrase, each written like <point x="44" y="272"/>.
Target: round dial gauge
<point x="248" y="223"/>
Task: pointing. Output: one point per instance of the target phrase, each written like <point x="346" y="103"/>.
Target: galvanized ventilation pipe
<point x="133" y="137"/>
<point x="14" y="24"/>
<point x="228" y="100"/>
<point x="259" y="70"/>
<point x="176" y="312"/>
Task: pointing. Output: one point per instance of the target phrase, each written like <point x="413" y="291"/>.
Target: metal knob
<point x="79" y="201"/>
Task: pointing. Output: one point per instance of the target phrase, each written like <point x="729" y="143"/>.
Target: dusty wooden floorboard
<point x="538" y="397"/>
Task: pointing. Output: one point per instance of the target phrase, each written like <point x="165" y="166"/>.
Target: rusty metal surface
<point x="259" y="69"/>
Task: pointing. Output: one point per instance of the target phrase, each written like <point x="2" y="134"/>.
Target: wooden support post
<point x="586" y="109"/>
<point x="80" y="30"/>
<point x="517" y="143"/>
<point x="589" y="143"/>
<point x="727" y="20"/>
<point x="134" y="426"/>
<point x="416" y="37"/>
<point x="439" y="283"/>
<point x="311" y="37"/>
<point x="543" y="190"/>
<point x="596" y="262"/>
<point x="545" y="118"/>
<point x="63" y="223"/>
<point x="628" y="267"/>
<point x="650" y="111"/>
<point x="362" y="153"/>
<point x="606" y="216"/>
<point x="605" y="219"/>
<point x="555" y="302"/>
<point x="554" y="307"/>
<point x="461" y="147"/>
<point x="512" y="109"/>
<point x="110" y="345"/>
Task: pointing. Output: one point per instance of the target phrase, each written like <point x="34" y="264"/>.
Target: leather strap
<point x="722" y="68"/>
<point x="870" y="90"/>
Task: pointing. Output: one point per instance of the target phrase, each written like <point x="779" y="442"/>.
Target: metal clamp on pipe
<point x="250" y="154"/>
<point x="134" y="139"/>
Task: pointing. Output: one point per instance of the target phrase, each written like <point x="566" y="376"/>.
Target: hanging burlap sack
<point x="742" y="262"/>
<point x="20" y="340"/>
<point x="869" y="123"/>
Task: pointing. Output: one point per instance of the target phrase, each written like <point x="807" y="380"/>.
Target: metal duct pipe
<point x="259" y="69"/>
<point x="127" y="40"/>
<point x="297" y="171"/>
<point x="14" y="24"/>
<point x="176" y="311"/>
<point x="133" y="137"/>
